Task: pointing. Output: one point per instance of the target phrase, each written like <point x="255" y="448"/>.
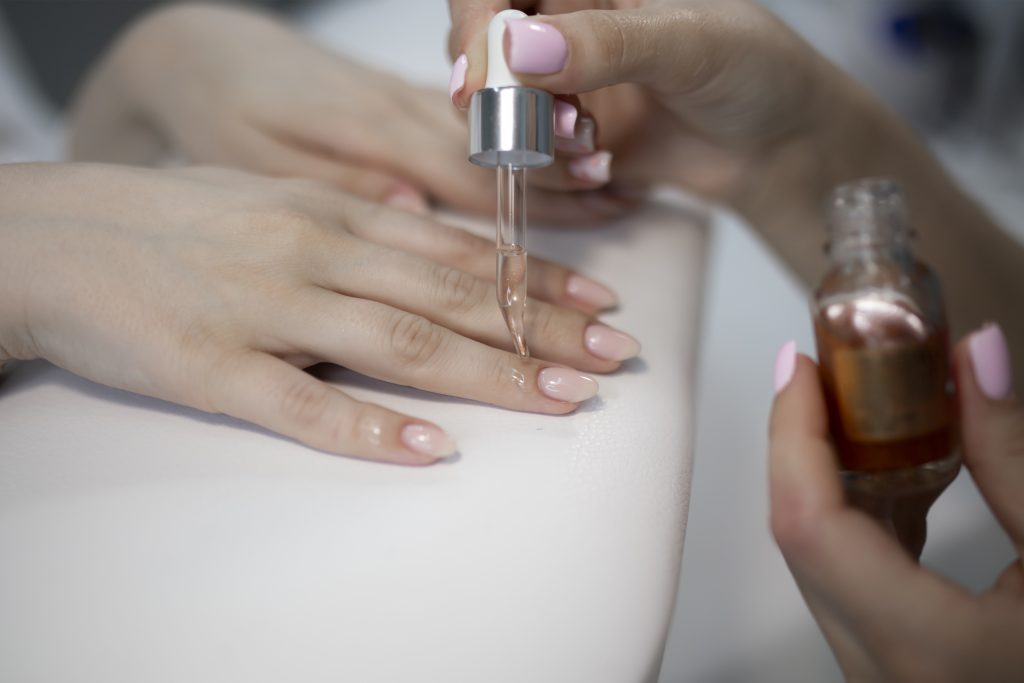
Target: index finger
<point x="468" y="38"/>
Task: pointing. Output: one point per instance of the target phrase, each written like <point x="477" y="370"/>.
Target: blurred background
<point x="953" y="69"/>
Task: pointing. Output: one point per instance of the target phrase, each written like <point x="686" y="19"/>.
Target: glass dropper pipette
<point x="511" y="252"/>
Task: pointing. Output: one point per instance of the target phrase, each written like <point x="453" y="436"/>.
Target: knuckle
<point x="305" y="403"/>
<point x="464" y="247"/>
<point x="458" y="291"/>
<point x="550" y="323"/>
<point x="363" y="430"/>
<point x="413" y="341"/>
<point x="502" y="374"/>
<point x="614" y="44"/>
<point x="208" y="394"/>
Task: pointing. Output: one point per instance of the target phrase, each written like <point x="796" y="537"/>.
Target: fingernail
<point x="428" y="440"/>
<point x="566" y="385"/>
<point x="533" y="47"/>
<point x="593" y="168"/>
<point x="458" y="79"/>
<point x="408" y="200"/>
<point x="565" y="119"/>
<point x="785" y="366"/>
<point x="610" y="344"/>
<point x="590" y="292"/>
<point x="991" y="359"/>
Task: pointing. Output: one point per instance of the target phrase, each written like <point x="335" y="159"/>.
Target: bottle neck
<point x="868" y="222"/>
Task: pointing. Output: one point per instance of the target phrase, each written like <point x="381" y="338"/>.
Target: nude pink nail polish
<point x="533" y="47"/>
<point x="458" y="79"/>
<point x="566" y="385"/>
<point x="990" y="356"/>
<point x="785" y="366"/>
<point x="592" y="168"/>
<point x="590" y="292"/>
<point x="565" y="119"/>
<point x="610" y="344"/>
<point x="427" y="440"/>
<point x="409" y="200"/>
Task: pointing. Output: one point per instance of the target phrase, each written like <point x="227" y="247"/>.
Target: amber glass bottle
<point x="883" y="350"/>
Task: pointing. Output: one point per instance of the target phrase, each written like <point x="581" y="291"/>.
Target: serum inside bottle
<point x="884" y="357"/>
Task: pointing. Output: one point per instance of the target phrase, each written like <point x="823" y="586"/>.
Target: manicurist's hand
<point x="721" y="98"/>
<point x="232" y="87"/>
<point x="701" y="93"/>
<point x="885" y="617"/>
<point x="212" y="288"/>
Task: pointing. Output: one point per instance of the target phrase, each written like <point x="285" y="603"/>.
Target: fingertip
<point x="799" y="404"/>
<point x="990" y="362"/>
<point x="457" y="82"/>
<point x="566" y="385"/>
<point x="593" y="295"/>
<point x="408" y="199"/>
<point x="785" y="366"/>
<point x="427" y="440"/>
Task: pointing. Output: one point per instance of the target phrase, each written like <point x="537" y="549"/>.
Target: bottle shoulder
<point x="880" y="303"/>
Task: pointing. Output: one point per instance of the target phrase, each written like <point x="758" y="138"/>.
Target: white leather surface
<point x="146" y="542"/>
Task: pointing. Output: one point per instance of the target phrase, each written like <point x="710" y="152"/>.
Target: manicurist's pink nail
<point x="458" y="79"/>
<point x="565" y="119"/>
<point x="566" y="385"/>
<point x="610" y="344"/>
<point x="785" y="366"/>
<point x="533" y="47"/>
<point x="990" y="356"/>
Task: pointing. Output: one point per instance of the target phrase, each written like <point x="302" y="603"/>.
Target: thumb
<point x="993" y="426"/>
<point x="668" y="49"/>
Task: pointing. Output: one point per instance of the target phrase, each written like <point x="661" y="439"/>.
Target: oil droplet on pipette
<point x="512" y="294"/>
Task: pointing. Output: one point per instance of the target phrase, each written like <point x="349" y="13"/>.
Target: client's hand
<point x="232" y="87"/>
<point x="211" y="288"/>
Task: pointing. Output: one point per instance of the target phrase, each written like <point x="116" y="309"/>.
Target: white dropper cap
<point x="498" y="73"/>
<point x="509" y="124"/>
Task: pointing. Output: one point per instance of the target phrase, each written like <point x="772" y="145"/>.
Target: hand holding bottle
<point x="885" y="617"/>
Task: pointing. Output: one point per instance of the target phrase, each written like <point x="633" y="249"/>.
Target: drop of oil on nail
<point x="374" y="431"/>
<point x="512" y="295"/>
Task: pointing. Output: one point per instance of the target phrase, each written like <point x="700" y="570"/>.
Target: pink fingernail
<point x="565" y="119"/>
<point x="592" y="168"/>
<point x="428" y="440"/>
<point x="610" y="344"/>
<point x="991" y="359"/>
<point x="785" y="366"/>
<point x="458" y="79"/>
<point x="590" y="292"/>
<point x="533" y="47"/>
<point x="566" y="385"/>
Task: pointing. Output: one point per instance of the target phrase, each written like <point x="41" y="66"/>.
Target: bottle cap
<point x="509" y="124"/>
